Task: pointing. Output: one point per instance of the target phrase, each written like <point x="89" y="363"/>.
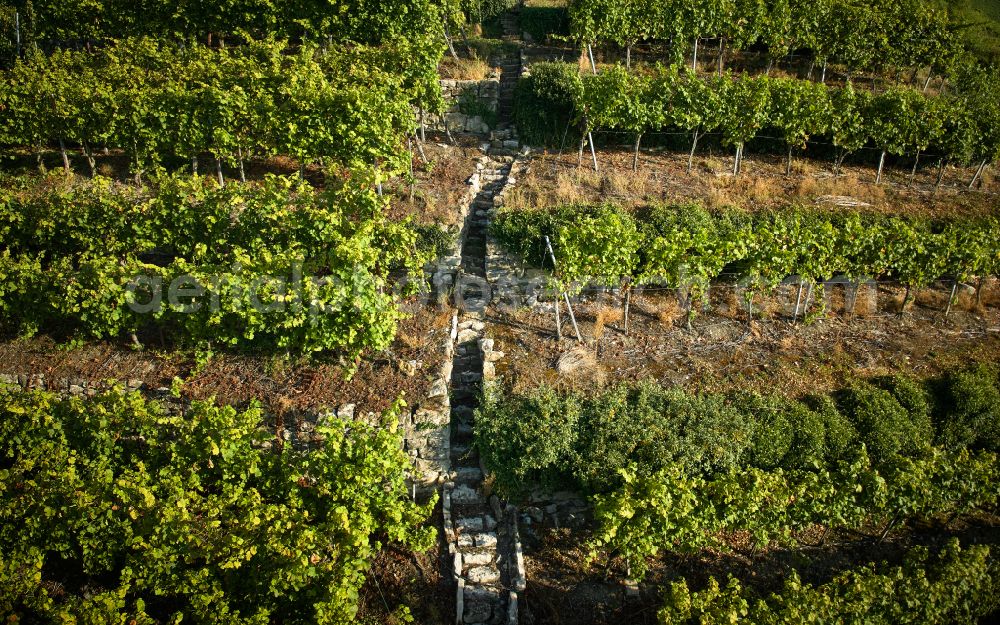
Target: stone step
<point x="483" y="540"/>
<point x="462" y="435"/>
<point x="465" y="396"/>
<point x="464" y="453"/>
<point x="468" y="475"/>
<point x="481" y="575"/>
<point x="468" y="362"/>
<point x="463" y="495"/>
<point x="476" y="524"/>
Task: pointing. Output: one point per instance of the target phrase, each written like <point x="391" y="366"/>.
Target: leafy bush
<point x="715" y="433"/>
<point x="618" y="431"/>
<point x="433" y="240"/>
<point x="974" y="418"/>
<point x="528" y="437"/>
<point x="648" y="427"/>
<point x="593" y="439"/>
<point x="544" y="103"/>
<point x="882" y="423"/>
<point x="913" y="396"/>
<point x="543" y="22"/>
<point x="113" y="509"/>
<point x="772" y="431"/>
<point x="839" y="433"/>
<point x="480" y="11"/>
<point x="809" y="440"/>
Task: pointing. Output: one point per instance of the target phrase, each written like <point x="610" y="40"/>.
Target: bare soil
<point x="439" y="181"/>
<point x="555" y="179"/>
<point x="282" y="384"/>
<point x="420" y="581"/>
<point x="724" y="351"/>
<point x="563" y="590"/>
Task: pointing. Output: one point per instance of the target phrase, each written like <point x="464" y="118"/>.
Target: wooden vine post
<point x="627" y="287"/>
<point x="565" y="296"/>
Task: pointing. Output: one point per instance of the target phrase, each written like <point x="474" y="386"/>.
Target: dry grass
<point x="965" y="299"/>
<point x="669" y="311"/>
<point x="769" y="307"/>
<point x="934" y="299"/>
<point x="463" y="69"/>
<point x="604" y="316"/>
<point x="662" y="178"/>
<point x="896" y="302"/>
<point x="867" y="301"/>
<point x="988" y="177"/>
<point x="727" y="304"/>
<point x="990" y="294"/>
<point x="578" y="368"/>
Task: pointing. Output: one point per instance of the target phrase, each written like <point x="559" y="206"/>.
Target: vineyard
<point x="963" y="127"/>
<point x="499" y="312"/>
<point x="687" y="247"/>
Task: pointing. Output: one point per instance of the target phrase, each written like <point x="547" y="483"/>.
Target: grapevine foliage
<point x="909" y="33"/>
<point x="114" y="510"/>
<point x="955" y="585"/>
<point x="351" y="108"/>
<point x="962" y="126"/>
<point x="278" y="265"/>
<point x="686" y="246"/>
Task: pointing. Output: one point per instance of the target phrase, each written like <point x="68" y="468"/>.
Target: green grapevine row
<point x="963" y="127"/>
<point x="113" y="510"/>
<point x="151" y="100"/>
<point x="675" y="511"/>
<point x="907" y="33"/>
<point x="584" y="441"/>
<point x="344" y="22"/>
<point x="955" y="586"/>
<point x="279" y="265"/>
<point x="688" y="247"/>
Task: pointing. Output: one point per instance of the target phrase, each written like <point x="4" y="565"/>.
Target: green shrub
<point x="648" y="427"/>
<point x="786" y="433"/>
<point x="470" y="104"/>
<point x="913" y="396"/>
<point x="839" y="433"/>
<point x="622" y="428"/>
<point x="772" y="431"/>
<point x="434" y="240"/>
<point x="716" y="434"/>
<point x="480" y="11"/>
<point x="883" y="424"/>
<point x="542" y="22"/>
<point x="974" y="416"/>
<point x="809" y="435"/>
<point x="527" y="438"/>
<point x="544" y="104"/>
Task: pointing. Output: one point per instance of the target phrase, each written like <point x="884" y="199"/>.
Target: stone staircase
<point x="510" y="72"/>
<point x="480" y="529"/>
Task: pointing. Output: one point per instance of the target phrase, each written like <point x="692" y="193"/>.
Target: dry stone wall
<point x="471" y="106"/>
